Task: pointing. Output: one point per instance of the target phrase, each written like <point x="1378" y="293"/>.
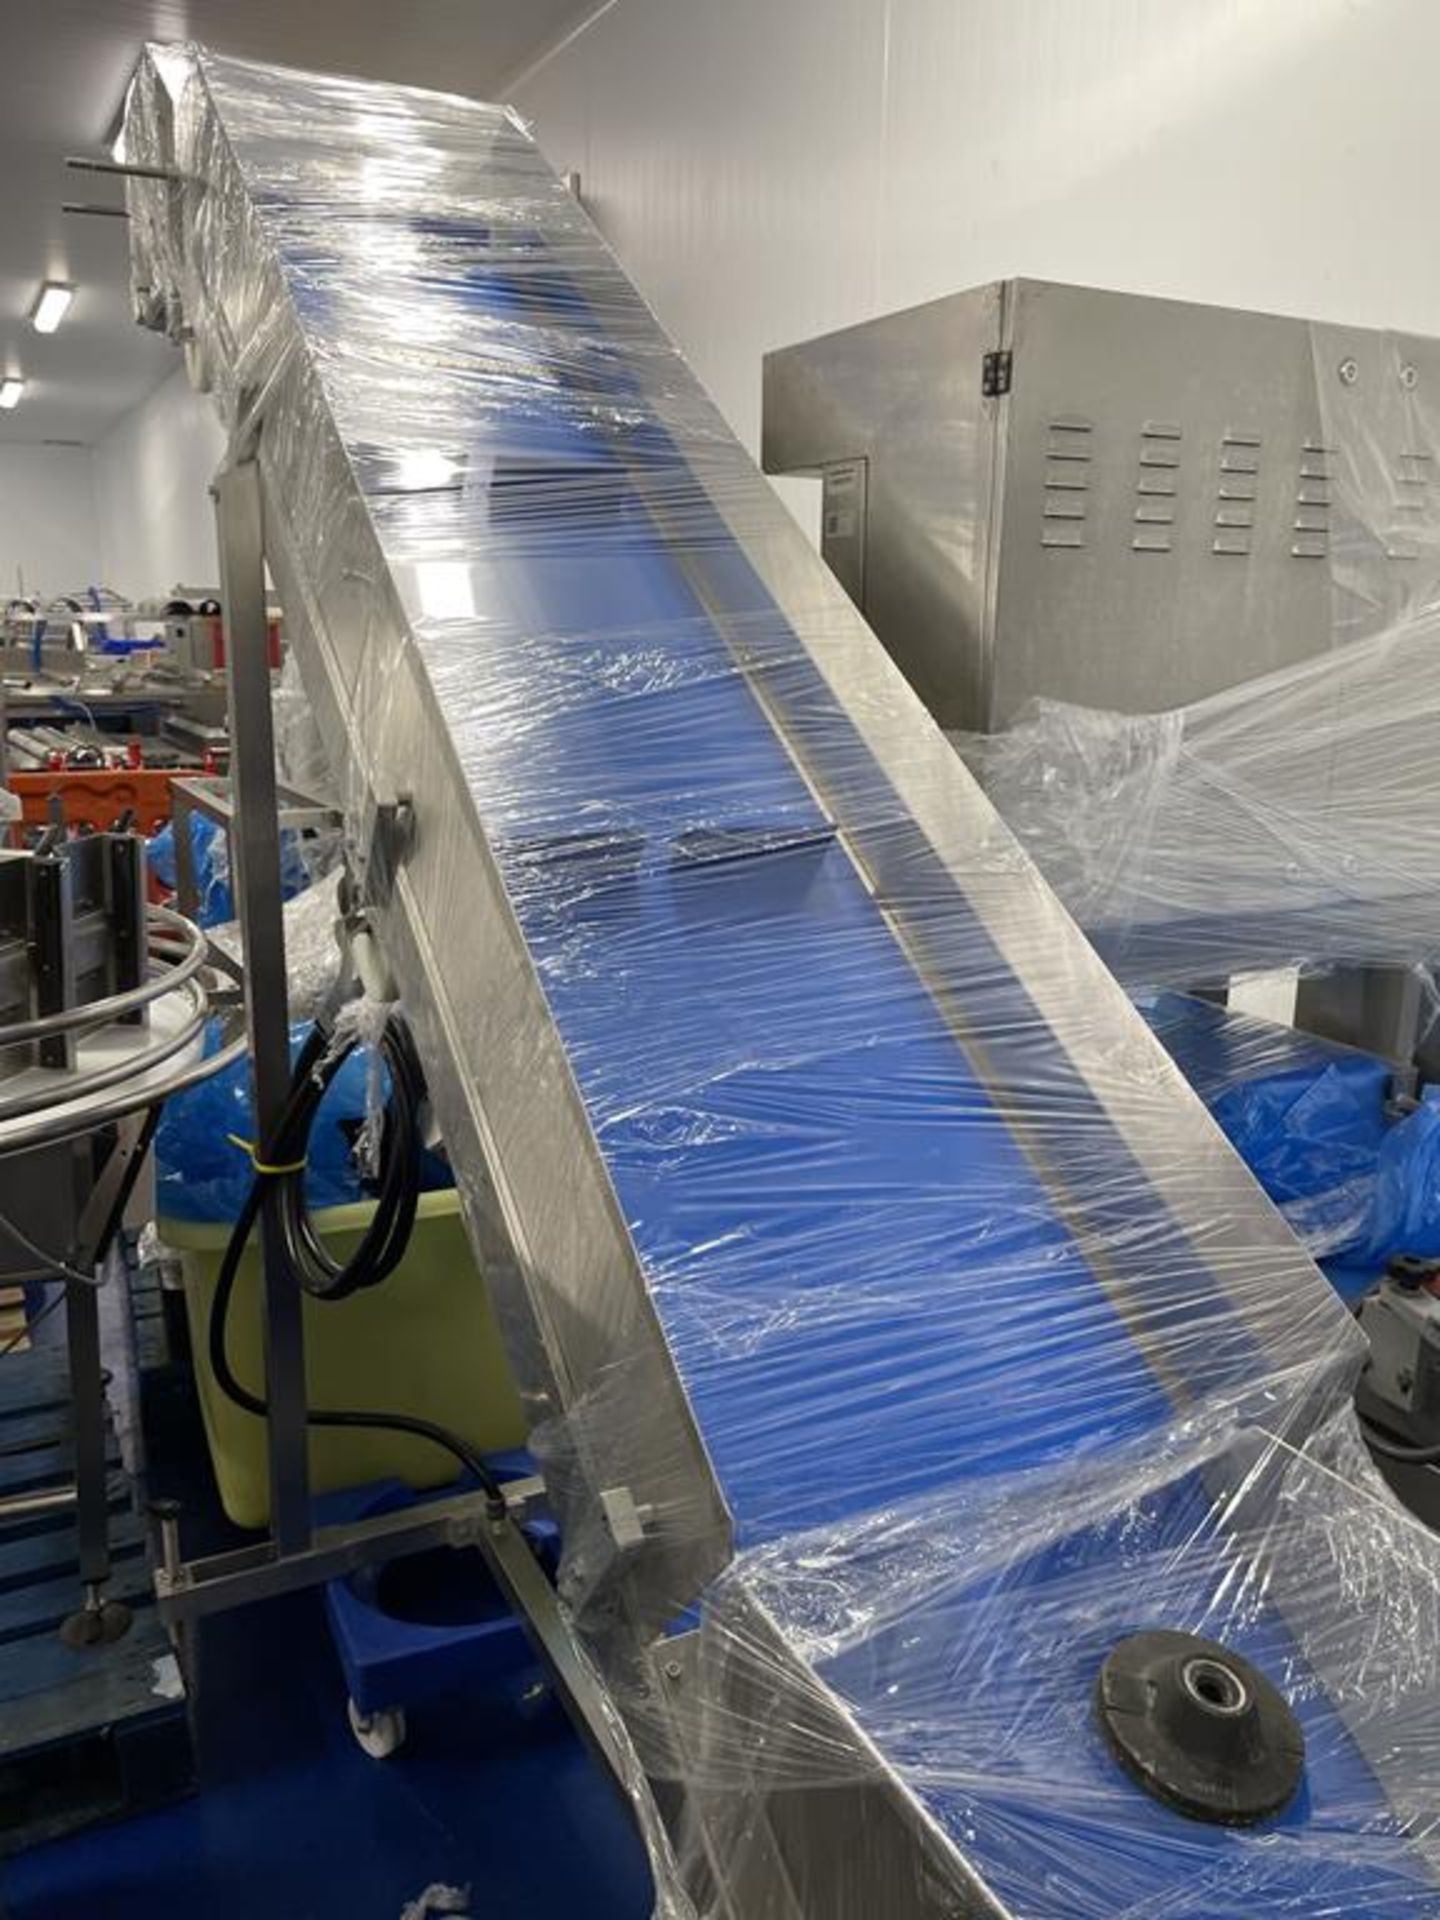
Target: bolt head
<point x="1349" y="371"/>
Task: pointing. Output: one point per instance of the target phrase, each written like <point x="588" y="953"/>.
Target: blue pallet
<point x="86" y="1734"/>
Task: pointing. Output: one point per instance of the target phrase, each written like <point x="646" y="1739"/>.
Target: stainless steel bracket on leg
<point x="186" y="1593"/>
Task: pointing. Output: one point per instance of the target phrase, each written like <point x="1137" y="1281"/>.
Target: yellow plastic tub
<point x="423" y="1342"/>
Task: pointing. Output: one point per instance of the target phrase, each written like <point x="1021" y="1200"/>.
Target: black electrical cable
<point x="1393" y="1450"/>
<point x="50" y="1263"/>
<point x="383" y="1244"/>
<point x="281" y="1168"/>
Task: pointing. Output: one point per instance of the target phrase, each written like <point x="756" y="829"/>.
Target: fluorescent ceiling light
<point x="51" y="307"/>
<point x="10" y="392"/>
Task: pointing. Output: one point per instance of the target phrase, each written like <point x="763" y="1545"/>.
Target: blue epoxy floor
<point x="293" y="1822"/>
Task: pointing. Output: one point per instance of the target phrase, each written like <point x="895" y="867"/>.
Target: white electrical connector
<point x="372" y="969"/>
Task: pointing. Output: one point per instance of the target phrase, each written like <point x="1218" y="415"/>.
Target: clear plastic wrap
<point x="300" y="758"/>
<point x="1289" y="820"/>
<point x="1309" y="1118"/>
<point x="897" y="1329"/>
<point x="312" y="937"/>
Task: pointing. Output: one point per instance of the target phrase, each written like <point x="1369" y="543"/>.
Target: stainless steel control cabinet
<point x="1095" y="496"/>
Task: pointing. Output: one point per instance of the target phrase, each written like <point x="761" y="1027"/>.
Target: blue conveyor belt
<point x="871" y="1293"/>
<point x="868" y="1287"/>
<point x="832" y="1215"/>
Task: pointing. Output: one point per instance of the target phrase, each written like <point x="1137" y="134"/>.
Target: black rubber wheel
<point x="1200" y="1728"/>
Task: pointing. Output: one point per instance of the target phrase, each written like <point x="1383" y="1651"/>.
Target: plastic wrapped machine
<point x="900" y="1337"/>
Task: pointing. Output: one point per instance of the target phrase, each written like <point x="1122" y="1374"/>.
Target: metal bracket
<point x="392" y="840"/>
<point x="625" y="1522"/>
<point x="996" y="372"/>
<point x="127" y="170"/>
<point x="189" y="1589"/>
<point x="255" y="848"/>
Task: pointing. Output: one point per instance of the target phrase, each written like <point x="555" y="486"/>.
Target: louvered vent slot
<point x="1236" y="488"/>
<point x="1310" y="520"/>
<point x="1414" y="477"/>
<point x="1067" y="481"/>
<point x="1156" y="486"/>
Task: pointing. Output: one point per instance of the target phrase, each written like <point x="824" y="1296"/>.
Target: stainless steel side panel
<point x="1163" y="530"/>
<point x="903" y="395"/>
<point x="572" y="1301"/>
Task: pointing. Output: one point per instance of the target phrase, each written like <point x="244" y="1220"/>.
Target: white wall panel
<point x="152" y="476"/>
<point x="48" y="530"/>
<point x="707" y="180"/>
<point x="1115" y="142"/>
<point x="769" y="171"/>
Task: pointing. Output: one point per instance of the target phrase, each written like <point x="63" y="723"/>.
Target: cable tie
<point x="263" y="1166"/>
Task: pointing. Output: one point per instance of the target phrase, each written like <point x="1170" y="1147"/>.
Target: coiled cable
<point x="280" y="1179"/>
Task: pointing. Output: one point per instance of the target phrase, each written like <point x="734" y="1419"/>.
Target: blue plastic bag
<point x="212" y="868"/>
<point x="1406" y="1215"/>
<point x="201" y="1175"/>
